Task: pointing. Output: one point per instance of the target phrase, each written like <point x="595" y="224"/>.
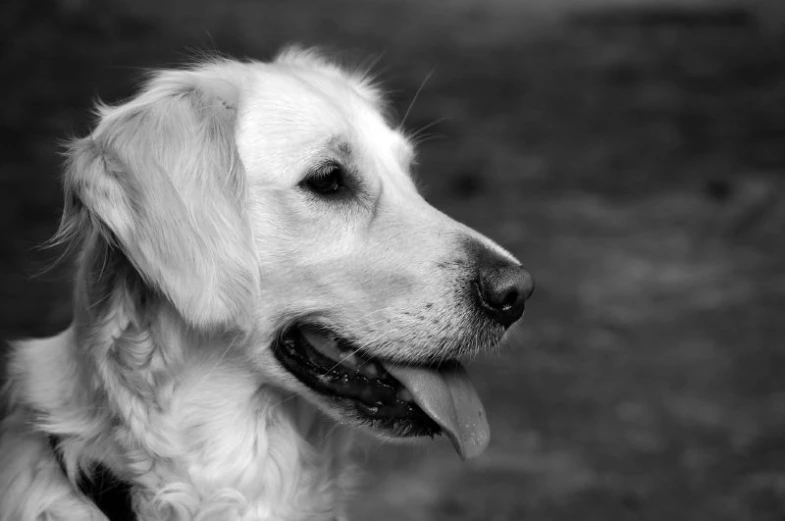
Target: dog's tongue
<point x="448" y="397"/>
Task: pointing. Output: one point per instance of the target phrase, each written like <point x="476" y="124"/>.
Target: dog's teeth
<point x="350" y="360"/>
<point x="404" y="395"/>
<point x="323" y="342"/>
<point x="370" y="370"/>
<point x="327" y="378"/>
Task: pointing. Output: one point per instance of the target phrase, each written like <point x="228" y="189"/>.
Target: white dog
<point x="257" y="276"/>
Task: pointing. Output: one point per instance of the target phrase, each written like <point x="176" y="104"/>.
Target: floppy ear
<point x="160" y="178"/>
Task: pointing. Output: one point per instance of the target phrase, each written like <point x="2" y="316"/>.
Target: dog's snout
<point x="503" y="291"/>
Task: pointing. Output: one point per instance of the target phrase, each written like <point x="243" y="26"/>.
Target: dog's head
<point x="276" y="199"/>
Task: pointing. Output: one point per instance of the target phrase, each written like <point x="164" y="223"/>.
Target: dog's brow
<point x="343" y="148"/>
<point x="339" y="146"/>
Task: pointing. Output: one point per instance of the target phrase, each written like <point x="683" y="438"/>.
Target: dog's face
<point x="292" y="201"/>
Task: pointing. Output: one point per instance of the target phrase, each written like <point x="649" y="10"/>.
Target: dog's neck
<point x="176" y="413"/>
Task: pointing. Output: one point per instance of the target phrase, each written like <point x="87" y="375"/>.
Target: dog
<point x="257" y="277"/>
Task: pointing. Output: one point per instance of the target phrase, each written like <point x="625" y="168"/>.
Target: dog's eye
<point x="328" y="180"/>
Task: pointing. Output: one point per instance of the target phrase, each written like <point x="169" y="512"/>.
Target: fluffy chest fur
<point x="211" y="443"/>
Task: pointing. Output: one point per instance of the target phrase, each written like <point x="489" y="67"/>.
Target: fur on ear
<point x="161" y="179"/>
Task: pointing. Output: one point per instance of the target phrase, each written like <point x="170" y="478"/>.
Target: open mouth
<point x="397" y="400"/>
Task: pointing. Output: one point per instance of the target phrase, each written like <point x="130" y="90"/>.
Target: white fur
<point x="196" y="244"/>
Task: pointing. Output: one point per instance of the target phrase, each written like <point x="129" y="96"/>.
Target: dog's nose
<point x="504" y="290"/>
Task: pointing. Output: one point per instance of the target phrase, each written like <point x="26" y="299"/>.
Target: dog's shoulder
<point x="32" y="484"/>
<point x="38" y="372"/>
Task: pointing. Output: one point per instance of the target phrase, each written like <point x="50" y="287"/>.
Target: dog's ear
<point x="160" y="178"/>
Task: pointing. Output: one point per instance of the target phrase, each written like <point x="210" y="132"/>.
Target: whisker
<point x="342" y="360"/>
<point x="416" y="95"/>
<point x="273" y="406"/>
<point x="429" y="137"/>
<point x="414" y="136"/>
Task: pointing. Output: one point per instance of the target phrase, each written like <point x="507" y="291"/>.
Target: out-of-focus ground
<point x="633" y="156"/>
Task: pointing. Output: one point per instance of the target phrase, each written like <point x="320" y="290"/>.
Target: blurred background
<point x="631" y="153"/>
